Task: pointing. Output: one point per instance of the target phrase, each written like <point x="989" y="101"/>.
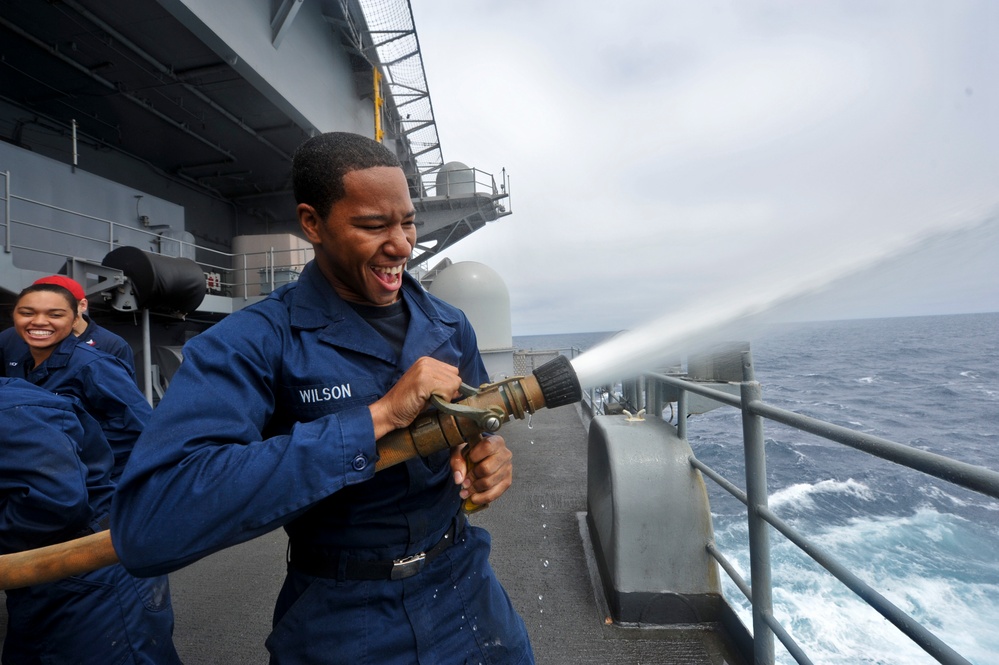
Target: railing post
<point x="759" y="534"/>
<point x="147" y="357"/>
<point x="6" y="217"/>
<point x="246" y="287"/>
<point x="653" y="405"/>
<point x="270" y="269"/>
<point x="681" y="415"/>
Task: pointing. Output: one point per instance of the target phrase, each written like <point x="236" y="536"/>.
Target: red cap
<point x="67" y="283"/>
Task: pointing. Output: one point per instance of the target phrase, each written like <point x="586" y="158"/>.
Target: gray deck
<point x="223" y="603"/>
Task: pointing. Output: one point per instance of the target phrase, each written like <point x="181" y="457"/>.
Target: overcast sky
<point x="664" y="154"/>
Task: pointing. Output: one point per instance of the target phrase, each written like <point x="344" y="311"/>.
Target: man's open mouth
<point x="389" y="276"/>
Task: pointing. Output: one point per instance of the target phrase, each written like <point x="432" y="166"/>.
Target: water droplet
<point x="546" y="563"/>
<point x="544" y="526"/>
<point x="540" y="597"/>
<point x="530" y="421"/>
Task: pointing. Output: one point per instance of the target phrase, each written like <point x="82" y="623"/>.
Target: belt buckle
<point x="407" y="566"/>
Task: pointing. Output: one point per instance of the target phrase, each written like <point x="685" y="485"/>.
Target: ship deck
<point x="223" y="603"/>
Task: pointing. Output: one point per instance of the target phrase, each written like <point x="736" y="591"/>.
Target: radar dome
<point x="455" y="179"/>
<point x="479" y="291"/>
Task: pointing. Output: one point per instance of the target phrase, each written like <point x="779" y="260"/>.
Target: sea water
<point x="929" y="547"/>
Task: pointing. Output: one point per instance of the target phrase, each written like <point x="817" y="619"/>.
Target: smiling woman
<point x="44" y="316"/>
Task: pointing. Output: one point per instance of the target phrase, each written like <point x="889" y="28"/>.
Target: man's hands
<point x="407" y="398"/>
<point x="491" y="474"/>
<point x="491" y="470"/>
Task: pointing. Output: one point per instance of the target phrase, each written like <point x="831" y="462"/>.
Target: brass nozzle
<point x="553" y="384"/>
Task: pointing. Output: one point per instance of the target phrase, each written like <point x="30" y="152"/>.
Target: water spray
<point x="485" y="409"/>
<point x="755" y="302"/>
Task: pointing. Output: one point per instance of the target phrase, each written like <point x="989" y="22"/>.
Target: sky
<point x="665" y="154"/>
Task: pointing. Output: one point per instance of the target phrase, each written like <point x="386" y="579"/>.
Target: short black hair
<point x="322" y="161"/>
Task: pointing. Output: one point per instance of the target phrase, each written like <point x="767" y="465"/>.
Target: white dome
<point x="455" y="179"/>
<point x="480" y="292"/>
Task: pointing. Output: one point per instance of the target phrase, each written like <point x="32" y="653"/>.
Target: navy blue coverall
<point x="102" y="339"/>
<point x="266" y="424"/>
<point x="55" y="486"/>
<point x="100" y="381"/>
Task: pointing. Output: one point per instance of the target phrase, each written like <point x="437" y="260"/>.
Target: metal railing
<point x="655" y="391"/>
<point x="461" y="182"/>
<point x="67" y="233"/>
<point x="525" y="362"/>
<point x="90" y="237"/>
<point x="6" y="211"/>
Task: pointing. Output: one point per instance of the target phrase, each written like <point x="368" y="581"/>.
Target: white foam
<point x="906" y="560"/>
<point x="801" y="495"/>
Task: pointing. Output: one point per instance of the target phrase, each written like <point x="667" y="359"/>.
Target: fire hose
<point x="484" y="409"/>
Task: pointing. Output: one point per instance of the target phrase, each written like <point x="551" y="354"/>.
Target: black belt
<point x="102" y="525"/>
<point x="320" y="562"/>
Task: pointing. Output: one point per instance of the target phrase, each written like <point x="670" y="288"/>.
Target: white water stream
<point x="767" y="298"/>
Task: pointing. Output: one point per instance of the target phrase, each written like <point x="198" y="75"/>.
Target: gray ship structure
<point x="145" y="150"/>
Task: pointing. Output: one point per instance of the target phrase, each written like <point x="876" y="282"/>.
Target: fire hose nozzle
<point x="558" y="382"/>
<point x="485" y="410"/>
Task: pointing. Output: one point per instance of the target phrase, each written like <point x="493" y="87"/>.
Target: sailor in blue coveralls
<point x="55" y="486"/>
<point x="52" y="357"/>
<point x="88" y="332"/>
<point x="272" y="419"/>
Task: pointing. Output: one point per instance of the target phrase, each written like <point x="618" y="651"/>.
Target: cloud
<point x="663" y="151"/>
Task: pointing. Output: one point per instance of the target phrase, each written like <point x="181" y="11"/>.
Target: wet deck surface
<point x="223" y="603"/>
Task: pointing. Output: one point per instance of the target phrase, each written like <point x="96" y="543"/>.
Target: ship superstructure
<point x="169" y="128"/>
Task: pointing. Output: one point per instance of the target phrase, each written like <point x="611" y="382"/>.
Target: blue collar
<point x="314" y="304"/>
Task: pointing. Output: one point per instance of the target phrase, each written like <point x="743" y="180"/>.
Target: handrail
<point x="441" y="183"/>
<point x="232" y="268"/>
<point x="226" y="273"/>
<point x="6" y="212"/>
<point x="648" y="390"/>
<point x="975" y="478"/>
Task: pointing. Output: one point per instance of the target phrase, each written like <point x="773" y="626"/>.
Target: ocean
<point x="928" y="546"/>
